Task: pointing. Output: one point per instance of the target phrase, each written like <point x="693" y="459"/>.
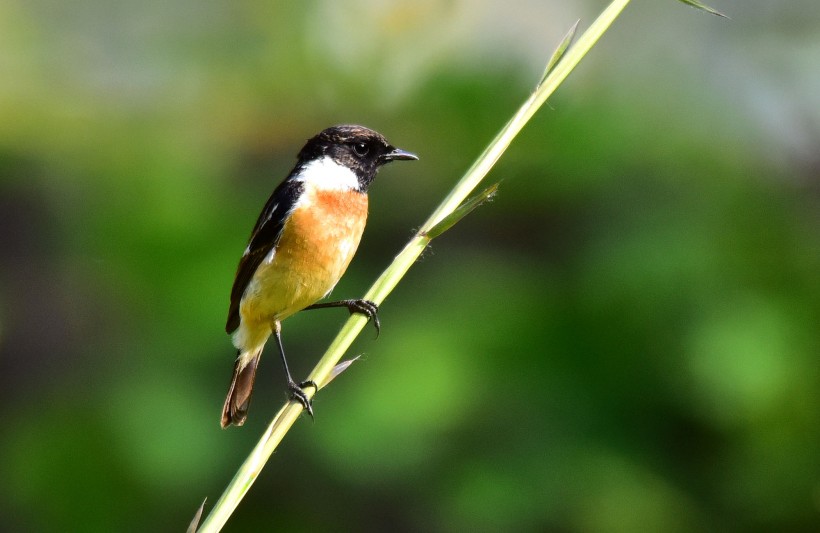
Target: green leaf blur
<point x="625" y="339"/>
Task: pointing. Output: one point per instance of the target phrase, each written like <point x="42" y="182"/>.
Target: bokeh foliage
<point x="625" y="339"/>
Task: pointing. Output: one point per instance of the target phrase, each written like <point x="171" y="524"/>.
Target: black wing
<point x="264" y="237"/>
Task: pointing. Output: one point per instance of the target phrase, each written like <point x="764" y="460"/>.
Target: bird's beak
<point x="397" y="154"/>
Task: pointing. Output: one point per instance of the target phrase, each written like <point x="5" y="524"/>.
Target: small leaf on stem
<point x="559" y="51"/>
<point x="197" y="517"/>
<point x="462" y="211"/>
<point x="341" y="367"/>
<point x="696" y="4"/>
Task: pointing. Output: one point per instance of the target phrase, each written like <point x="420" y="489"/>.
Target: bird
<point x="298" y="250"/>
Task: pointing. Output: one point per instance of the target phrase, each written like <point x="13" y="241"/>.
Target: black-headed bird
<point x="301" y="245"/>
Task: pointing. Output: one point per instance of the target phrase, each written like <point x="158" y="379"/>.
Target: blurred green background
<point x="626" y="339"/>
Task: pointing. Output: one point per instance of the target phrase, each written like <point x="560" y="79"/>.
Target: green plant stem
<point x="381" y="288"/>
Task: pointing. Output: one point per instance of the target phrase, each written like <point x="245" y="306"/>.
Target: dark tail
<point x="235" y="410"/>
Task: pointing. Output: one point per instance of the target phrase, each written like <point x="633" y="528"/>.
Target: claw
<point x="298" y="394"/>
<point x="364" y="307"/>
<point x="368" y="309"/>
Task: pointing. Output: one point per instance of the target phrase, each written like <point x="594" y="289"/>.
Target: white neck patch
<point x="326" y="174"/>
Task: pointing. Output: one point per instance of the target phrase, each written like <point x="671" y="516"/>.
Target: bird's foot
<point x="297" y="393"/>
<point x="366" y="308"/>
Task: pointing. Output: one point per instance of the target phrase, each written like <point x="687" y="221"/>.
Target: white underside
<point x="326" y="174"/>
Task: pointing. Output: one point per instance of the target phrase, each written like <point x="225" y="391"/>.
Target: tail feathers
<point x="235" y="410"/>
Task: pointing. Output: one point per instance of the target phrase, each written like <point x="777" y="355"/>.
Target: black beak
<point x="397" y="154"/>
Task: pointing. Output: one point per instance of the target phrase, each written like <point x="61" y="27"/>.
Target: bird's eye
<point x="361" y="149"/>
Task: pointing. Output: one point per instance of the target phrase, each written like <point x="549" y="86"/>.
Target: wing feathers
<point x="264" y="237"/>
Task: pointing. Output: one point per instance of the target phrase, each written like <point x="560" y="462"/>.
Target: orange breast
<point x="316" y="246"/>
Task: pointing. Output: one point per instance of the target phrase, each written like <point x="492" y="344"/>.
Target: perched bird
<point x="300" y="247"/>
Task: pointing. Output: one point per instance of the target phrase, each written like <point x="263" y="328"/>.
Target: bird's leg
<point x="364" y="307"/>
<point x="296" y="389"/>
